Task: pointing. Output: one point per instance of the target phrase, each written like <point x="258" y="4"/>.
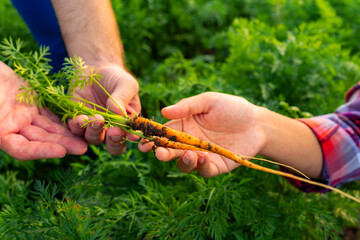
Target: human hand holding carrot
<point x="123" y="88"/>
<point x="90" y="31"/>
<point x="241" y="127"/>
<point x="222" y="119"/>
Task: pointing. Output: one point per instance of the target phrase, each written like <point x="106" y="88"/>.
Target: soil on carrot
<point x="150" y="128"/>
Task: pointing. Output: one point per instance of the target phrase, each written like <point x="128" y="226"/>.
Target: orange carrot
<point x="151" y="128"/>
<point x="164" y="142"/>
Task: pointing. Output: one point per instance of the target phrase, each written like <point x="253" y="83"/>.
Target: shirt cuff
<point x="341" y="158"/>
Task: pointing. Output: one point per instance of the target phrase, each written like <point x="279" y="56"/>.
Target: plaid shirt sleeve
<point x="339" y="136"/>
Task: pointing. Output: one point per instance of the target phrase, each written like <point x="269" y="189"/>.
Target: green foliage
<point x="177" y="78"/>
<point x="290" y="56"/>
<point x="32" y="66"/>
<point x="114" y="197"/>
<point x="347" y="10"/>
<point x="166" y="27"/>
<point x="307" y="67"/>
<point x="11" y="25"/>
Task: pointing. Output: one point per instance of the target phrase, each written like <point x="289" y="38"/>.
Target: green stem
<point x="122" y="120"/>
<point x="35" y="66"/>
<point x="87" y="101"/>
<point x="124" y="112"/>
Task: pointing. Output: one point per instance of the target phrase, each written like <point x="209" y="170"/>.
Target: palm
<point x="114" y="79"/>
<point x="28" y="133"/>
<point x="14" y="116"/>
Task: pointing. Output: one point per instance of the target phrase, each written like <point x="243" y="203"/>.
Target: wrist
<point x="262" y="118"/>
<point x="278" y="132"/>
<point x="290" y="142"/>
<point x="99" y="58"/>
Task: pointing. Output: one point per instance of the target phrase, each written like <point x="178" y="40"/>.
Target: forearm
<point x="90" y="30"/>
<point x="290" y="142"/>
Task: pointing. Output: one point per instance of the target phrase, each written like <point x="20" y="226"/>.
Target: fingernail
<point x="116" y="138"/>
<point x="186" y="160"/>
<point x="201" y="160"/>
<point x="95" y="125"/>
<point x="144" y="141"/>
<point x="169" y="107"/>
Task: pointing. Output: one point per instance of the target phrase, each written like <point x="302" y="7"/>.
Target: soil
<point x="148" y="127"/>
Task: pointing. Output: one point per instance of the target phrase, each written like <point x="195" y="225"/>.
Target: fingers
<point x="188" y="160"/>
<point x="162" y="153"/>
<point x="115" y="141"/>
<point x="206" y="167"/>
<point x="126" y="97"/>
<point x="51" y="124"/>
<point x="22" y="149"/>
<point x="126" y="101"/>
<point x="131" y="137"/>
<point x="119" y="106"/>
<point x="94" y="132"/>
<point x="135" y="106"/>
<point x="71" y="144"/>
<point x="198" y="104"/>
<point x="127" y="104"/>
<point x="145" y="146"/>
<point x="201" y="162"/>
<point x="167" y="154"/>
<point x="44" y="129"/>
<point x="77" y="124"/>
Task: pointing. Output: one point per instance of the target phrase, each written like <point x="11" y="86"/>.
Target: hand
<point x="123" y="88"/>
<point x="225" y="120"/>
<point x="29" y="133"/>
<point x="90" y="30"/>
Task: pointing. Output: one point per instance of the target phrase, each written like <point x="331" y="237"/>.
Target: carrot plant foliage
<point x="295" y="57"/>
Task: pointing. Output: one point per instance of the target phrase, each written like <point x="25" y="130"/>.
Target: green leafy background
<point x="295" y="57"/>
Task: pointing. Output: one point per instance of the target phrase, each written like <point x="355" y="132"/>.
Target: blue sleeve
<point x="40" y="18"/>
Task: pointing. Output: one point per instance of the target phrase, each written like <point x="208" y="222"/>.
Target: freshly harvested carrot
<point x="167" y="137"/>
<point x="164" y="142"/>
<point x="151" y="128"/>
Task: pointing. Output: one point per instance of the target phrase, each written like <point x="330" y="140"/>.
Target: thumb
<point x="199" y="104"/>
<point x="116" y="104"/>
<point x="124" y="99"/>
